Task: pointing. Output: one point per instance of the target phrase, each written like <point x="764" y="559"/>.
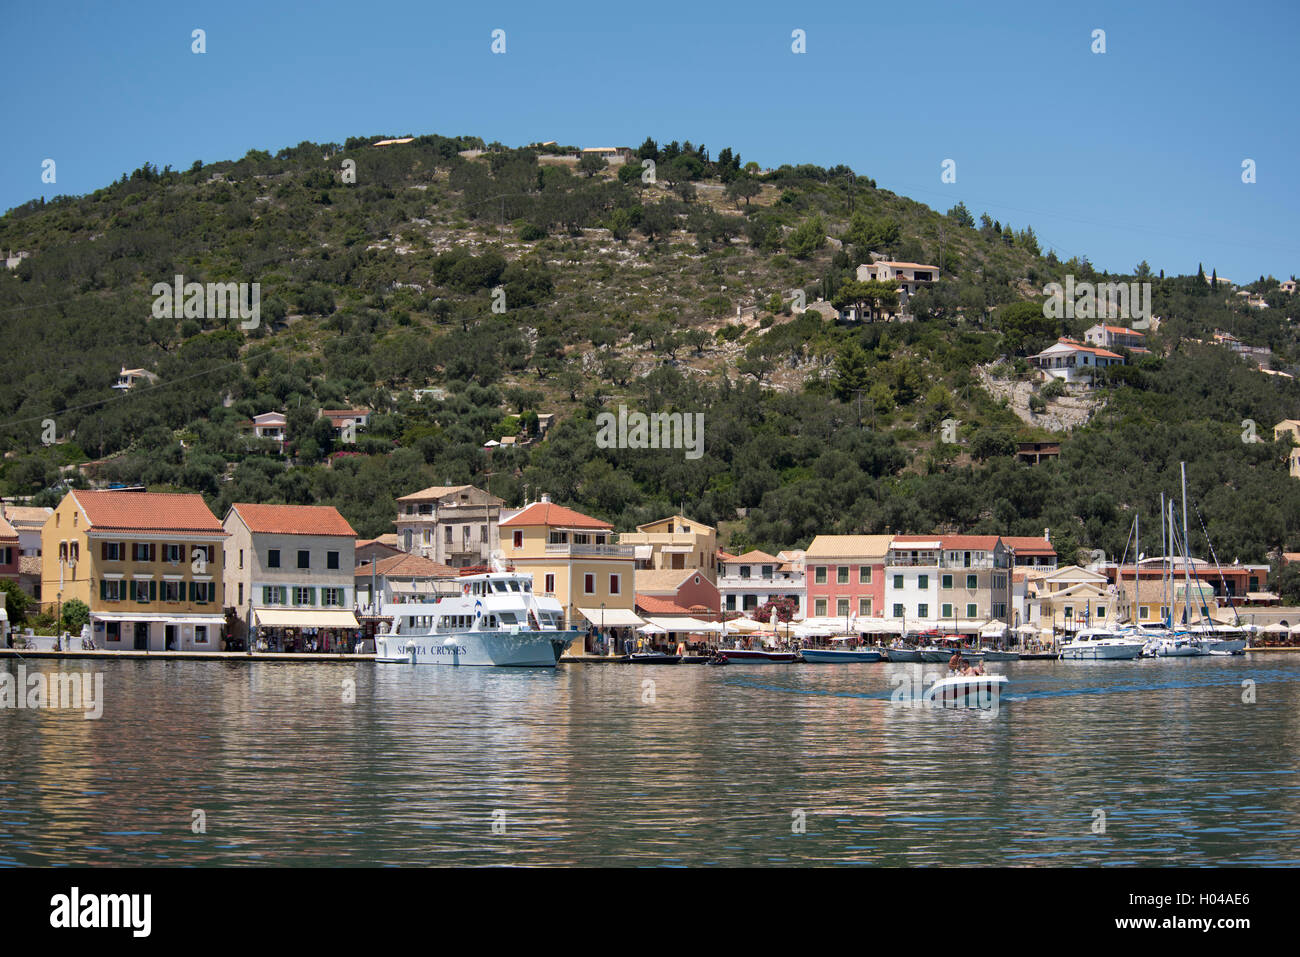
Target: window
<point x="589" y="584"/>
<point x="945" y="581"/>
<point x="864" y="607"/>
<point x="171" y="591"/>
<point x="446" y="534"/>
<point x="972" y="610"/>
<point x="202" y="592"/>
<point x="273" y="558"/>
<point x="331" y="596"/>
<point x="842" y="575"/>
<point x="898" y="582"/>
<point x="241" y="558"/>
<point x="864" y="574"/>
<point x="922" y="611"/>
<point x="999" y="611"/>
<point x="144" y="591"/>
<point x="819" y="575"/>
<point x="240" y="603"/>
<point x="972" y="582"/>
<point x="482" y="533"/>
<point x="110" y="551"/>
<point x="898" y="611"/>
<point x="842" y="607"/>
<point x="549" y="587"/>
<point x="200" y="634"/>
<point x="143" y="552"/>
<point x="613" y="584"/>
<point x="303" y="595"/>
<point x="945" y="611"/>
<point x="923" y="583"/>
<point x="113" y="631"/>
<point x="331" y="559"/>
<point x="518" y="539"/>
<point x="304" y="558"/>
<point x="173" y="553"/>
<point x="275" y="595"/>
<point x="112" y="590"/>
<point x="819" y="608"/>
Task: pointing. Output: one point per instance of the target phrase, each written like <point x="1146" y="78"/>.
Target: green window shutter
<point x="103" y="589"/>
<point x="311" y="596"/>
<point x="192" y="596"/>
<point x="153" y="591"/>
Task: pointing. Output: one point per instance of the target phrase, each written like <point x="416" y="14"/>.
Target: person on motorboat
<point x="956" y="662"/>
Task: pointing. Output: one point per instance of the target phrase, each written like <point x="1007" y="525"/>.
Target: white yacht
<point x="493" y="619"/>
<point x="1101" y="644"/>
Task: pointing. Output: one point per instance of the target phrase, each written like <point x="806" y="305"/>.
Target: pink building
<point x="845" y="576"/>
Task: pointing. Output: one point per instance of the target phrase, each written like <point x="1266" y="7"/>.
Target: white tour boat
<point x="496" y="619"/>
<point x="1101" y="644"/>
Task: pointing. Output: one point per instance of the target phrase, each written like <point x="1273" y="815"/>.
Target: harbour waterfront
<point x="701" y="766"/>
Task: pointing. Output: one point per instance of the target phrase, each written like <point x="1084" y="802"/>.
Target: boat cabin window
<point x="514" y="585"/>
<point x="508" y="618"/>
<point x="500" y="586"/>
<point x="528" y="586"/>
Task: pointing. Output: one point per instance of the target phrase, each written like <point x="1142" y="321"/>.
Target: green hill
<point x="520" y="282"/>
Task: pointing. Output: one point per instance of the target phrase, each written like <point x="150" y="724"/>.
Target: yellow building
<point x="671" y="546"/>
<point x="573" y="559"/>
<point x="147" y="564"/>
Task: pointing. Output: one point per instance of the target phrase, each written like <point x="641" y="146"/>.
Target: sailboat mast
<point x="1187" y="552"/>
<point x="1137" y="565"/>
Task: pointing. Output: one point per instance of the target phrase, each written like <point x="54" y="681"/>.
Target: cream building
<point x="291" y="569"/>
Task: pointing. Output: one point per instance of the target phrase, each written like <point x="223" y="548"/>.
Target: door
<point x="169" y="635"/>
<point x="141" y="636"/>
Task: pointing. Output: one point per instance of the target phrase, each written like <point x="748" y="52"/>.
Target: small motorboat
<point x="991" y="654"/>
<point x="1100" y="644"/>
<point x="965" y="691"/>
<point x="903" y="653"/>
<point x="717" y="659"/>
<point x="653" y="658"/>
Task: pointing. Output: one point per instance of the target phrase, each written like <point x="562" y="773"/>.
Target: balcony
<point x="761" y="583"/>
<point x="571" y="550"/>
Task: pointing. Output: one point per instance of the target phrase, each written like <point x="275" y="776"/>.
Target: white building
<point x="290" y="573"/>
<point x="749" y="581"/>
<point x="1073" y="362"/>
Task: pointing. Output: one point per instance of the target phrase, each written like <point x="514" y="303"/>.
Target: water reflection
<point x="591" y="765"/>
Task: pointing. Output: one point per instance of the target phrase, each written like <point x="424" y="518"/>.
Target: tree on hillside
<point x="808" y="237"/>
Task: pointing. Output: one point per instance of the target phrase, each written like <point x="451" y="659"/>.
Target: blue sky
<point x="1135" y="153"/>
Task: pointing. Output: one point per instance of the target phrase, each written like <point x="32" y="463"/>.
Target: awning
<point x="167" y="619"/>
<point x="643" y="553"/>
<point x="305" y="618"/>
<point x="684" y="624"/>
<point x="878" y="626"/>
<point x="994" y="629"/>
<point x="612" y="617"/>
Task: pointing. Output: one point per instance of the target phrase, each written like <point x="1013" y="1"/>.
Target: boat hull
<point x="832" y="656"/>
<point x="741" y="656"/>
<point x="966" y="691"/>
<point x="641" y="658"/>
<point x="1001" y="656"/>
<point x="1099" y="652"/>
<point x="907" y="655"/>
<point x="524" y="649"/>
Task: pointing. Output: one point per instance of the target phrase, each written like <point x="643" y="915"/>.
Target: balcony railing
<point x="590" y="551"/>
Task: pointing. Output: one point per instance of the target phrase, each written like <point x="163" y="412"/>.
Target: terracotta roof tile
<point x="406" y="566"/>
<point x="293" y="519"/>
<point x="148" y="512"/>
<point x="555" y="516"/>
